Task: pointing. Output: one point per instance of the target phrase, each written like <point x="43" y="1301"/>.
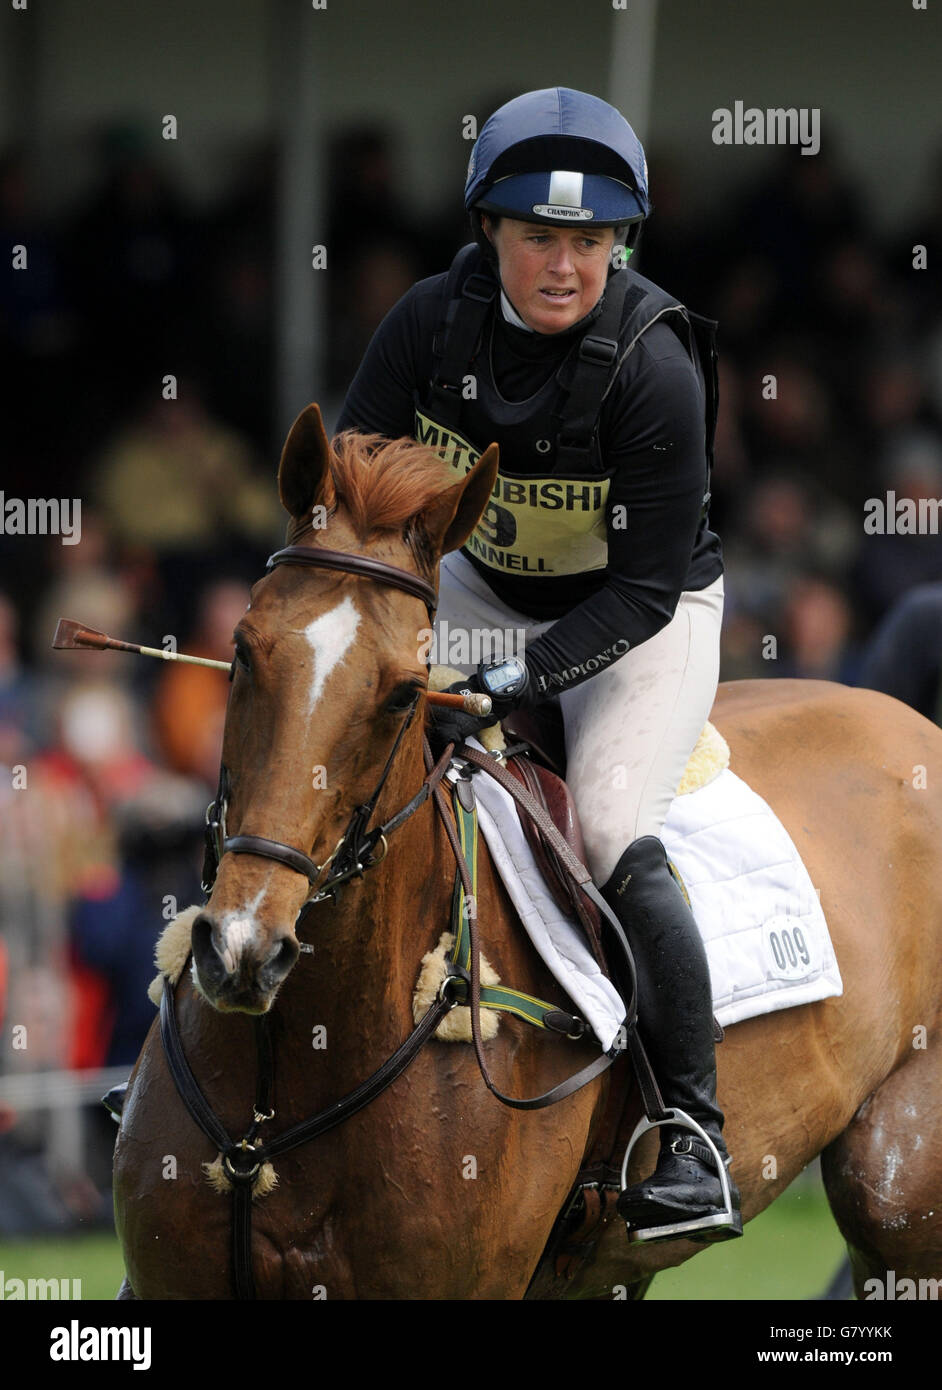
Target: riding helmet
<point x="562" y="157"/>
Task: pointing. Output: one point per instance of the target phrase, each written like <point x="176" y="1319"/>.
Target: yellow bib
<point x="552" y="526"/>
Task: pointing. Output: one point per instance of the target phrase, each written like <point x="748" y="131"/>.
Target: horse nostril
<point x="280" y="961"/>
<point x="209" y="965"/>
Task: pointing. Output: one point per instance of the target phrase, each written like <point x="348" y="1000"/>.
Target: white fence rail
<point x="63" y="1094"/>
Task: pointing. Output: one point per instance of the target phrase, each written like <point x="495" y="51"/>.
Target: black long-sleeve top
<point x="651" y="435"/>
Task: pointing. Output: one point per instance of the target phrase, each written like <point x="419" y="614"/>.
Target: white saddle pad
<point x="766" y="939"/>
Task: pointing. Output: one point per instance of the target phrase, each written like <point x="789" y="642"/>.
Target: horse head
<point x="329" y="666"/>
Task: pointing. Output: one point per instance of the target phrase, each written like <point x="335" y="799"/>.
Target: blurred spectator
<point x="746" y="293"/>
<point x="791" y="427"/>
<point x="18" y="693"/>
<point x="787" y="527"/>
<point x="890" y="564"/>
<point x="89" y="787"/>
<point x="795" y="218"/>
<point x="174" y="479"/>
<point x="85" y="584"/>
<point x="678" y="247"/>
<point x="742" y="645"/>
<point x="922" y="228"/>
<point x="190" y="701"/>
<point x="119" y="911"/>
<point x="181" y="485"/>
<point x="33" y="320"/>
<point x="377" y="248"/>
<point x="38" y="337"/>
<point x="731" y="464"/>
<point x="932" y="358"/>
<point x="234" y="339"/>
<point x="904" y="656"/>
<point x="817" y="632"/>
<point x="373" y="284"/>
<point x="133" y="252"/>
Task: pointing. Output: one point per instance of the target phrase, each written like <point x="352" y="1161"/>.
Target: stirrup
<point x="721" y="1220"/>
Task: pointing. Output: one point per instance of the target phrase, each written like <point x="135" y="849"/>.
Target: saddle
<point x="536" y="755"/>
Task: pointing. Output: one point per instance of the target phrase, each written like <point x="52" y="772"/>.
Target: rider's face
<point x="552" y="276"/>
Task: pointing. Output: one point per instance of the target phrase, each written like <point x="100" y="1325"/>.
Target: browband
<point x="358" y="564"/>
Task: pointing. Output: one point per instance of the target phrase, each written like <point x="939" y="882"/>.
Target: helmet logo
<point x="558" y="210"/>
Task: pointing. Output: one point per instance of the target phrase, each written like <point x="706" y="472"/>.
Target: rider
<point x="600" y="390"/>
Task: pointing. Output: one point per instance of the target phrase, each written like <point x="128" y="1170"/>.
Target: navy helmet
<point x="562" y="157"/>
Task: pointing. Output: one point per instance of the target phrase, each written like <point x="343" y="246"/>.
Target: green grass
<point x="95" y="1259"/>
<point x="791" y="1251"/>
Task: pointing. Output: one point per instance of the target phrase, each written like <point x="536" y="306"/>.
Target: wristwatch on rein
<point x="505" y="681"/>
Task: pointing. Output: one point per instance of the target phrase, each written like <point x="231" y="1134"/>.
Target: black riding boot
<point x="675" y="1020"/>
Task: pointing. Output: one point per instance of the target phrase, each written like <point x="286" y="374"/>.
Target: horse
<point x="434" y="1190"/>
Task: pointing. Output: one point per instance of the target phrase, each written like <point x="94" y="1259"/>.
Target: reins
<point x="242" y="1158"/>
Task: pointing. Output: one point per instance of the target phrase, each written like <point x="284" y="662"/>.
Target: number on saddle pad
<point x="791" y="953"/>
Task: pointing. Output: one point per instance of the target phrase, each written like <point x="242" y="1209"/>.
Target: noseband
<point x="355" y="849"/>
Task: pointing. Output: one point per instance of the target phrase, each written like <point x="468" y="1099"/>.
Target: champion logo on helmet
<point x="556" y="210"/>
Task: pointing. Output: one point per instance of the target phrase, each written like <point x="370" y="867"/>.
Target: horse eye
<point x="242" y="657"/>
<point x="401" y="698"/>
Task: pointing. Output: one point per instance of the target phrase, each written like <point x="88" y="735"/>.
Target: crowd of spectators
<point x="831" y="393"/>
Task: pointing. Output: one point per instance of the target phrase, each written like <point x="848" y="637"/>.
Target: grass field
<point x="790" y="1252"/>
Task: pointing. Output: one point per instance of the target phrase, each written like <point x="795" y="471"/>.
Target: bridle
<point x="355" y="850"/>
<point x="243" y="1158"/>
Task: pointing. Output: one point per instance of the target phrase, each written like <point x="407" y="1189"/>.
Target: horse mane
<point x="383" y="484"/>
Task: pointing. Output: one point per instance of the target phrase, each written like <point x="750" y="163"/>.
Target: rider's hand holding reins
<point x="508" y="685"/>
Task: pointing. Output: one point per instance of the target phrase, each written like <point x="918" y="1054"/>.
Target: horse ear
<point x="451" y="517"/>
<point x="304" y="472"/>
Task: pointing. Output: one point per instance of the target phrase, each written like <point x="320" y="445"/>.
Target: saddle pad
<point x="766" y="940"/>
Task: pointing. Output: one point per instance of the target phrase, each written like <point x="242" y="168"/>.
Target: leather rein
<point x="355" y="853"/>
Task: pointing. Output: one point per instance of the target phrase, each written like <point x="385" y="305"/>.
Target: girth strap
<point x="571" y="1084"/>
<point x="526" y="1007"/>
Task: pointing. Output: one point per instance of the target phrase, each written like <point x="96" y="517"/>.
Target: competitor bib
<point x="552" y="526"/>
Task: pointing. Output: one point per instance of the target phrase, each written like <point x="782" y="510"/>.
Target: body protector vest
<point x="545" y="521"/>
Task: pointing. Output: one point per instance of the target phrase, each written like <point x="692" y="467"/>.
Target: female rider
<point x="596" y="542"/>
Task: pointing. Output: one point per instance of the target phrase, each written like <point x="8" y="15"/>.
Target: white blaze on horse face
<point x="237" y="930"/>
<point x="330" y="637"/>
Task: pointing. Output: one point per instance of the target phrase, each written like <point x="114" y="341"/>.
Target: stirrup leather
<point x="679" y="1119"/>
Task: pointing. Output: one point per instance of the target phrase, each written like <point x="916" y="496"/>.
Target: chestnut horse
<point x="435" y="1190"/>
